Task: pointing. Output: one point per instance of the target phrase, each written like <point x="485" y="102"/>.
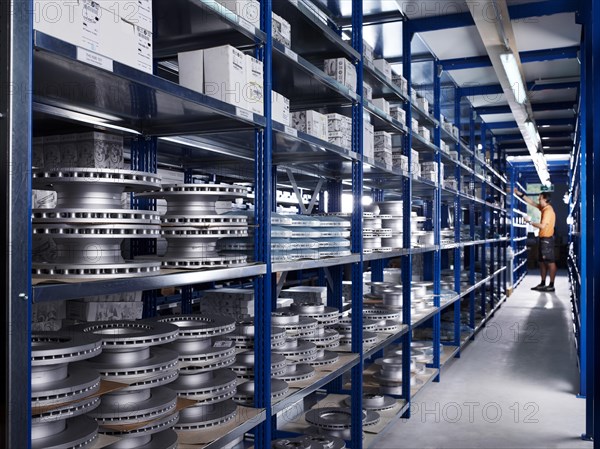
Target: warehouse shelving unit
<point x="210" y="136"/>
<point x="518" y="228"/>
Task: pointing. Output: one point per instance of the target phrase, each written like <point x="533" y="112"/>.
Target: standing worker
<point x="546" y="238"/>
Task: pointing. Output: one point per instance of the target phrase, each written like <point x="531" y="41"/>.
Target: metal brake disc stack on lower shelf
<point x="389" y="375"/>
<point x="244" y="365"/>
<point x="309" y="442"/>
<point x="143" y="412"/>
<point x="337" y="421"/>
<point x="88" y="224"/>
<point x="205" y="355"/>
<point x="192" y="226"/>
<point x="61" y="391"/>
<point x="325" y="336"/>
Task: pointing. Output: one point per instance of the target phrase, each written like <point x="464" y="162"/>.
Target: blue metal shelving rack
<point x="273" y="146"/>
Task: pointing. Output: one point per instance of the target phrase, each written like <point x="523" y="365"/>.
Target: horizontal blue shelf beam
<point x="551" y="54"/>
<point x="547" y="122"/>
<point x="464" y="19"/>
<point x="550" y="145"/>
<point x="496" y="89"/>
<point x="537" y="107"/>
<point x="543" y="133"/>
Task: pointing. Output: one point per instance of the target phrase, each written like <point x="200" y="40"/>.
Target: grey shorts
<point x="546" y="251"/>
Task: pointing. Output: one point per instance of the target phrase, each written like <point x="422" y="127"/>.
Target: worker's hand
<point x="527" y="219"/>
<point x="517" y="192"/>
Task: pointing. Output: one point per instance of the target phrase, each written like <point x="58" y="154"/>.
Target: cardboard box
<point x="423" y="104"/>
<point x="280" y="108"/>
<point x="100" y="150"/>
<point x="413" y="95"/>
<point x="414" y="155"/>
<point x="383" y="140"/>
<point x="367" y="92"/>
<point x="52" y="153"/>
<point x="401" y="82"/>
<point x="248" y="10"/>
<point x="103" y="32"/>
<point x="225" y="76"/>
<point x="69" y="150"/>
<point x="343" y="71"/>
<point x="341" y="142"/>
<point x="382" y="104"/>
<point x="104" y="311"/>
<point x="37" y="152"/>
<point x="310" y="122"/>
<point x="368" y="53"/>
<point x="415" y="125"/>
<point x="254" y="88"/>
<point x="282" y="30"/>
<point x="191" y="70"/>
<point x="454" y="155"/>
<point x="400" y="161"/>
<point x="44" y="199"/>
<point x="425" y="133"/>
<point x="384" y="157"/>
<point x="383" y="66"/>
<point x="306" y="294"/>
<point x="368" y="140"/>
<point x="398" y="113"/>
<point x="339" y="126"/>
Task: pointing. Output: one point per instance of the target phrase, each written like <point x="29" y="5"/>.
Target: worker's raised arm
<point x="526" y="198"/>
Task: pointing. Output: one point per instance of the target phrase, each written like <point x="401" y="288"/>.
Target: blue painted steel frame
<point x="357" y="268"/>
<point x="437" y="214"/>
<point x="406" y="261"/>
<point x="474" y="62"/>
<point x="457" y="222"/>
<point x="263" y="289"/>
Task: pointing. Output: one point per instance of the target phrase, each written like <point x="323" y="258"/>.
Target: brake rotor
<point x="76" y="433"/>
<point x="245" y="392"/>
<point x="374" y="402"/>
<point x="297" y="372"/>
<point x="208" y="387"/>
<point x="206" y="416"/>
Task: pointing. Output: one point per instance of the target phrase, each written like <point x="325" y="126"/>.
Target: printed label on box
<point x="94" y="59"/>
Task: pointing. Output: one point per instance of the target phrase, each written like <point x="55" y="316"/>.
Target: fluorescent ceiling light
<point x="511" y="68"/>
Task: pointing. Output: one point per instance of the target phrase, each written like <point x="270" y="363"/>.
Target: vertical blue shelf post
<point x="406" y="261"/>
<point x="357" y="268"/>
<point x="472" y="220"/>
<point x="457" y="222"/>
<point x="437" y="212"/>
<point x="263" y="288"/>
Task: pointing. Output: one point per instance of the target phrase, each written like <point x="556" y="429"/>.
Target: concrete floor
<point x="514" y="386"/>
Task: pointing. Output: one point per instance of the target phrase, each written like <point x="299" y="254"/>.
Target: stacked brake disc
<point x="192" y="226"/>
<point x="309" y="442"/>
<point x="309" y="338"/>
<point x="62" y="392"/>
<point x="143" y="413"/>
<point x="204" y="376"/>
<point x="88" y="224"/>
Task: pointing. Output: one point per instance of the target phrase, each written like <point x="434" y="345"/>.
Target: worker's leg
<point x="543" y="272"/>
<point x="552" y="269"/>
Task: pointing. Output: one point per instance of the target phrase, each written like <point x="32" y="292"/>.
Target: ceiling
<point x="547" y="37"/>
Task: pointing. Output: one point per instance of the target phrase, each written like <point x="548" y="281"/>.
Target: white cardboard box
<point x="382" y="104"/>
<point x="383" y="140"/>
<point x="254" y="89"/>
<point x="191" y="70"/>
<point x="280" y="108"/>
<point x="343" y="71"/>
<point x="367" y="92"/>
<point x="225" y="76"/>
<point x="339" y="126"/>
<point x="423" y="104"/>
<point x="104" y="311"/>
<point x="415" y="125"/>
<point x="368" y="53"/>
<point x="401" y="82"/>
<point x="398" y="113"/>
<point x="384" y="67"/>
<point x="368" y="140"/>
<point x="311" y="122"/>
<point x="100" y="150"/>
<point x="425" y="133"/>
<point x="282" y="30"/>
<point x="248" y="10"/>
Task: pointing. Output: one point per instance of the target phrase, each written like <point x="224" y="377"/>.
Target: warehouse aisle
<point x="514" y="386"/>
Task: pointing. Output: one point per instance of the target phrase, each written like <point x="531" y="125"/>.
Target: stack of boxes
<point x="231" y="76"/>
<point x="282" y="31"/>
<point x="311" y="122"/>
<point x="84" y="150"/>
<point x="416" y="166"/>
<point x="423" y="104"/>
<point x="401" y="82"/>
<point x="102" y="31"/>
<point x="383" y="148"/>
<point x="306" y="294"/>
<point x="368" y="54"/>
<point x="384" y="67"/>
<point x="367" y="92"/>
<point x="339" y="129"/>
<point x="237" y="303"/>
<point x="425" y="133"/>
<point x="280" y="108"/>
<point x="429" y="171"/>
<point x="120" y="306"/>
<point x="382" y="104"/>
<point x="343" y="71"/>
<point x="398" y="113"/>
